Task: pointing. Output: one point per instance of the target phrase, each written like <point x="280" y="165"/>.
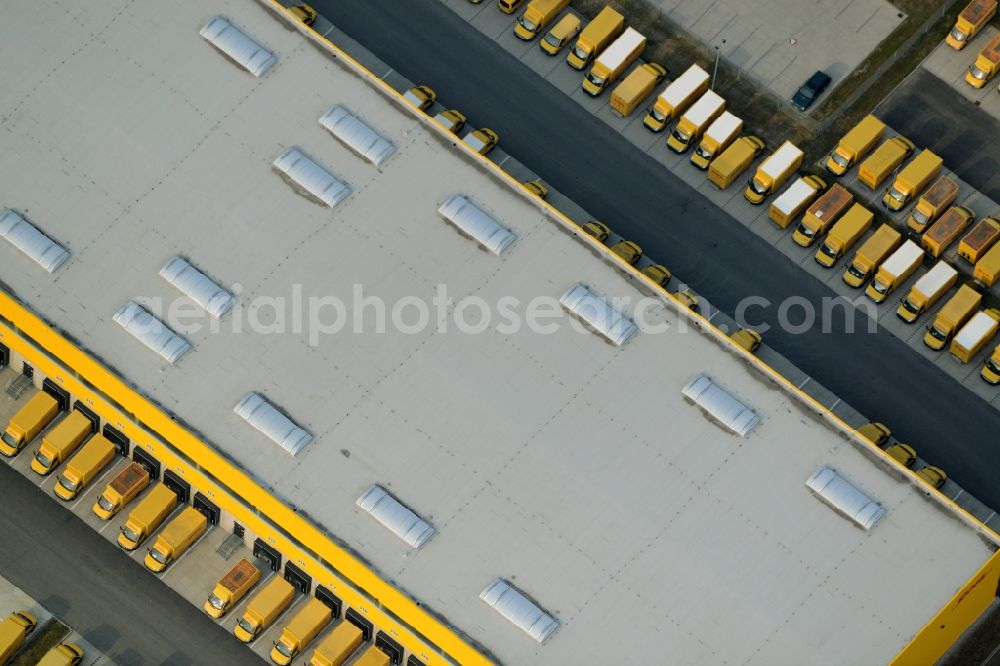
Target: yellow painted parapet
<point x="964" y="608"/>
<point x="150" y="428"/>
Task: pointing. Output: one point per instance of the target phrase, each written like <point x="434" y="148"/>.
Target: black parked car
<point x="810" y="90"/>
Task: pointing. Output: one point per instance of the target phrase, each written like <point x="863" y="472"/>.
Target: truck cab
<point x="176" y="538"/>
<point x="232" y="588"/>
<point x="64" y="654"/>
<point x="300" y="631"/>
<point x="265" y="607"/>
<point x="13" y="632"/>
<point x="123" y="489"/>
<point x="27" y="422"/>
<point x="972" y="19"/>
<point x="773" y="172"/>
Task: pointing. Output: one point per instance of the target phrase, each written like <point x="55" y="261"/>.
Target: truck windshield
<point x="920" y="217"/>
<point x="106" y="504"/>
<point x="68" y="483"/>
<point x="43" y="460"/>
<point x="758" y="187"/>
<point x="681" y="136"/>
<point x="937" y="334"/>
<point x="828" y="251"/>
<point x="158" y="556"/>
<point x="910" y="307"/>
<point x="897" y="195"/>
<point x="703" y="152"/>
<point x="216" y="602"/>
<point x="596" y="80"/>
<point x="580" y="52"/>
<point x="247" y="627"/>
<point x="840" y="160"/>
<point x="9" y="439"/>
<point x="283" y="649"/>
<point x="530" y="26"/>
<point x="992" y="366"/>
<point x="553" y="40"/>
<point x="806" y="231"/>
<point x="879" y="286"/>
<point x="958" y="35"/>
<point x="856" y="272"/>
<point x="977" y="73"/>
<point x="130" y="533"/>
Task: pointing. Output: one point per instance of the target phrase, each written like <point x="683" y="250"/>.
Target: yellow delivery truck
<point x="265" y="607"/>
<point x="338" y="645"/>
<point x="975" y="335"/>
<point x="613" y="62"/>
<point x="844" y="234"/>
<point x="871" y="254"/>
<point x="884" y="161"/>
<point x="147" y="516"/>
<point x="60" y="442"/>
<point x="676" y="98"/>
<point x="927" y="291"/>
<point x="979" y="241"/>
<point x="855" y="145"/>
<point x="64" y="654"/>
<point x="986" y="66"/>
<point x="991" y="369"/>
<point x="822" y="214"/>
<point x="695" y="121"/>
<point x="734" y="160"/>
<point x="972" y="19"/>
<point x="787" y="207"/>
<point x="232" y="588"/>
<point x="566" y="29"/>
<point x="934" y="202"/>
<point x="894" y="271"/>
<point x="600" y="32"/>
<point x="952" y="317"/>
<point x="987" y="269"/>
<point x="372" y="656"/>
<point x="27" y="422"/>
<point x="911" y="180"/>
<point x="537" y="15"/>
<point x="944" y="232"/>
<point x="772" y="172"/>
<point x="300" y="631"/>
<point x="636" y="87"/>
<point x="719" y="135"/>
<point x="85" y="466"/>
<point x="176" y="538"/>
<point x="123" y="489"/>
<point x="13" y="632"/>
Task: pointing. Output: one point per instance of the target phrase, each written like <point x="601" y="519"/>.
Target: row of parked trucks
<point x="14" y="632"/>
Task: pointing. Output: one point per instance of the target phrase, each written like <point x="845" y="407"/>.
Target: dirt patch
<point x="41" y="641"/>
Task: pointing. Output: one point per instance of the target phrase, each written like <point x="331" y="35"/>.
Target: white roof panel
<point x="905" y="256"/>
<point x="242" y="50"/>
<point x="472" y="221"/>
<point x="151" y="332"/>
<point x="845" y="498"/>
<point x="356" y="135"/>
<point x="519" y="609"/>
<point x="591" y="308"/>
<point x="265" y="417"/>
<point x="934" y="279"/>
<point x="25" y="237"/>
<point x="710" y="102"/>
<point x="794" y="196"/>
<point x="305" y="173"/>
<point x="723" y="127"/>
<point x="395" y="517"/>
<point x="620" y="48"/>
<point x="720" y="405"/>
<point x="974" y="330"/>
<point x="197" y="286"/>
<point x="782" y="157"/>
<point x="684" y="84"/>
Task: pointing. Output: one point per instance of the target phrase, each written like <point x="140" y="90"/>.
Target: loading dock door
<point x="390" y="647"/>
<point x="60" y="394"/>
<point x="95" y="420"/>
<point x="151" y="464"/>
<point x="4" y="356"/>
<point x="355" y="618"/>
<point x="330" y="599"/>
<point x="413" y="661"/>
<point x="206" y="507"/>
<point x="117" y="438"/>
<point x="268" y="554"/>
<point x="298" y="578"/>
<point x="173" y="481"/>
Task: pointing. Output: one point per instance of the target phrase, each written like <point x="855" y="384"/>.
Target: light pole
<point x="715" y="70"/>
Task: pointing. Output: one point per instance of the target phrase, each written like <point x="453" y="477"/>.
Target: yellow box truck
<point x="844" y="234"/>
<point x="695" y="121"/>
<point x="871" y="254"/>
<point x="772" y="172"/>
<point x="894" y="271"/>
<point x="85" y="466"/>
<point x="13" y="632"/>
<point x="264" y="609"/>
<point x="986" y="66"/>
<point x="719" y="135"/>
<point x="911" y="180"/>
<point x="537" y="15"/>
<point x="972" y="19"/>
<point x="232" y="588"/>
<point x="60" y="442"/>
<point x="147" y="516"/>
<point x="884" y="161"/>
<point x="186" y="528"/>
<point x="338" y="645"/>
<point x="614" y="61"/>
<point x="952" y="317"/>
<point x="975" y="335"/>
<point x="733" y="161"/>
<point x="636" y="87"/>
<point x="987" y="269"/>
<point x="991" y="369"/>
<point x="855" y="145"/>
<point x="300" y="631"/>
<point x="566" y="29"/>
<point x="64" y="654"/>
<point x="927" y="291"/>
<point x="794" y="200"/>
<point x="600" y="32"/>
<point x="934" y="202"/>
<point x="27" y="422"/>
<point x="676" y="98"/>
<point x="123" y="489"/>
<point x="822" y="214"/>
<point x="372" y="656"/>
<point x="979" y="241"/>
<point x="948" y="228"/>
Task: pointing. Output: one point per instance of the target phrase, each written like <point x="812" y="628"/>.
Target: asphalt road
<point x="722" y="260"/>
<point x="92" y="586"/>
<point x="930" y="113"/>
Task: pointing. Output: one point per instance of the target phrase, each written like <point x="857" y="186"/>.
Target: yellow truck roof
<point x="830" y="203"/>
<point x="96" y="449"/>
<point x="35" y="409"/>
<point x="607" y="21"/>
<point x="976" y="10"/>
<point x="68" y="430"/>
<point x="880" y="241"/>
<point x="857" y="217"/>
<point x="341" y="642"/>
<point x="186" y="522"/>
<point x="984" y="233"/>
<point x="273" y="593"/>
<point x="372" y="656"/>
<point x="862" y="133"/>
<point x="543" y="7"/>
<point x="315" y="612"/>
<point x="153" y="503"/>
<point x="965" y="299"/>
<point x="924" y="162"/>
<point x="637" y="79"/>
<point x="991" y="52"/>
<point x="889" y="151"/>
